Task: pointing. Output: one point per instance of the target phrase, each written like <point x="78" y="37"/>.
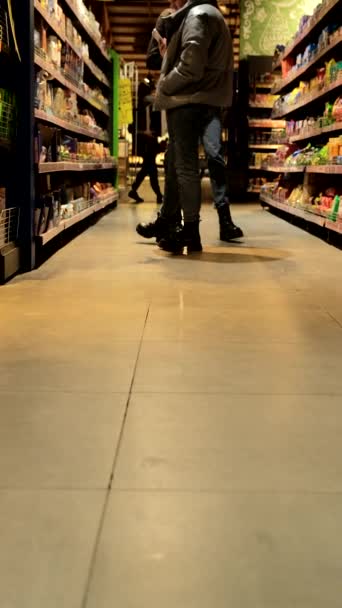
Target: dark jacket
<point x="198" y="65"/>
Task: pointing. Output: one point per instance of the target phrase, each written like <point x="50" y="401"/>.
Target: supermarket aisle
<point x="170" y="427"/>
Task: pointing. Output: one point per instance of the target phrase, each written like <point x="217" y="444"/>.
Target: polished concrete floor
<point x="170" y="428"/>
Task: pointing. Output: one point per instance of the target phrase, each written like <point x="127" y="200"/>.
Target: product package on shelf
<point x="326" y="204"/>
<point x="310" y="156"/>
<point x="332" y="118"/>
<point x="2" y="199"/>
<point x="69" y="202"/>
<point x="63" y="104"/>
<point x="330" y="74"/>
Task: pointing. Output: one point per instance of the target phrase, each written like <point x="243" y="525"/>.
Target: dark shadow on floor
<point x="231" y="255"/>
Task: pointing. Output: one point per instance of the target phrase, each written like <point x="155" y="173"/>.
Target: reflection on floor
<point x="170" y="427"/>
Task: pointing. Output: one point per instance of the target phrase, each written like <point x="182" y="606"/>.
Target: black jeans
<point x="187" y="125"/>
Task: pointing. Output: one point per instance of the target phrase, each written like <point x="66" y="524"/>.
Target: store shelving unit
<point x="315" y="178"/>
<point x="10" y="79"/>
<point x="88" y="126"/>
<point x="262" y="129"/>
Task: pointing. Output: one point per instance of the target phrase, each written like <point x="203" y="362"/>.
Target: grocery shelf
<point x="327" y="169"/>
<point x="258" y="106"/>
<point x="262" y="85"/>
<point x="337" y="126"/>
<point x="51" y="21"/>
<point x="313" y="23"/>
<point x="70" y="126"/>
<point x="334" y="226"/>
<point x="85" y="27"/>
<point x="54" y="25"/>
<point x="263" y="146"/>
<point x="297" y="74"/>
<point x="58" y="75"/>
<point x="283" y="169"/>
<point x="266" y="123"/>
<point x="308" y="99"/>
<point x="75" y="166"/>
<point x="296" y="211"/>
<point x="101" y="204"/>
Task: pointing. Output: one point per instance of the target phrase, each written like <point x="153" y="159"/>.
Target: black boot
<point x="157" y="229"/>
<point x="228" y="230"/>
<point x="179" y="237"/>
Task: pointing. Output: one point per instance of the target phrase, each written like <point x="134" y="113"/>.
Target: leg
<point x="170" y="207"/>
<point x="153" y="173"/>
<point x="211" y="138"/>
<point x="133" y="193"/>
<point x="144" y="171"/>
<point x="183" y="178"/>
<point x="217" y="170"/>
<point x="183" y="166"/>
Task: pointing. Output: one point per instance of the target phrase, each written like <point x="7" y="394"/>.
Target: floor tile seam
<point x="336" y="321"/>
<point x="225" y="492"/>
<point x="130" y="392"/>
<point x="92" y="563"/>
<point x="236" y="342"/>
<point x="46" y="391"/>
<point x="55" y="489"/>
<point x="62" y="391"/>
<point x="236" y="394"/>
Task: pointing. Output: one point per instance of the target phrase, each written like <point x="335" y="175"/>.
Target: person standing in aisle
<point x="218" y="66"/>
<point x="147" y="141"/>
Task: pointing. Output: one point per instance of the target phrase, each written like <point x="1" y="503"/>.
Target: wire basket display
<point x="9" y="225"/>
<point x="8" y="117"/>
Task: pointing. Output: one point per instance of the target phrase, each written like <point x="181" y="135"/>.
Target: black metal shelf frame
<point x="26" y="190"/>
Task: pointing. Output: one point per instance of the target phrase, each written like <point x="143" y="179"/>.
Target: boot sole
<point x="232" y="238"/>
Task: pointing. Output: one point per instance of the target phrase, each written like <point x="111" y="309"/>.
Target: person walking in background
<point x="148" y="129"/>
<point x="154" y="58"/>
<point x="212" y="46"/>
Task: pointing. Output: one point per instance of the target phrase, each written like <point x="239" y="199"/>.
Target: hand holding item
<point x="162" y="43"/>
<point x="162" y="46"/>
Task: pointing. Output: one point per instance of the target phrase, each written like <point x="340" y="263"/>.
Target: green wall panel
<point x="266" y="23"/>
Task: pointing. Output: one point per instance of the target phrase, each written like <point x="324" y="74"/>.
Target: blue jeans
<point x="212" y="143"/>
<point x="187" y="125"/>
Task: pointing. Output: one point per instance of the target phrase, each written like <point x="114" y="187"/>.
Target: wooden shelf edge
<point x="337" y="126"/>
<point x="55" y="73"/>
<point x="326" y="169"/>
<point x="56" y="167"/>
<point x="313" y="218"/>
<point x="267" y="123"/>
<point x="48" y="236"/>
<point x="308" y="99"/>
<point x="68" y="126"/>
<point x="263" y="146"/>
<point x="281" y="169"/>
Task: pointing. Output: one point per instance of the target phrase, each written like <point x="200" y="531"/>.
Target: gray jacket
<point x="198" y="65"/>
